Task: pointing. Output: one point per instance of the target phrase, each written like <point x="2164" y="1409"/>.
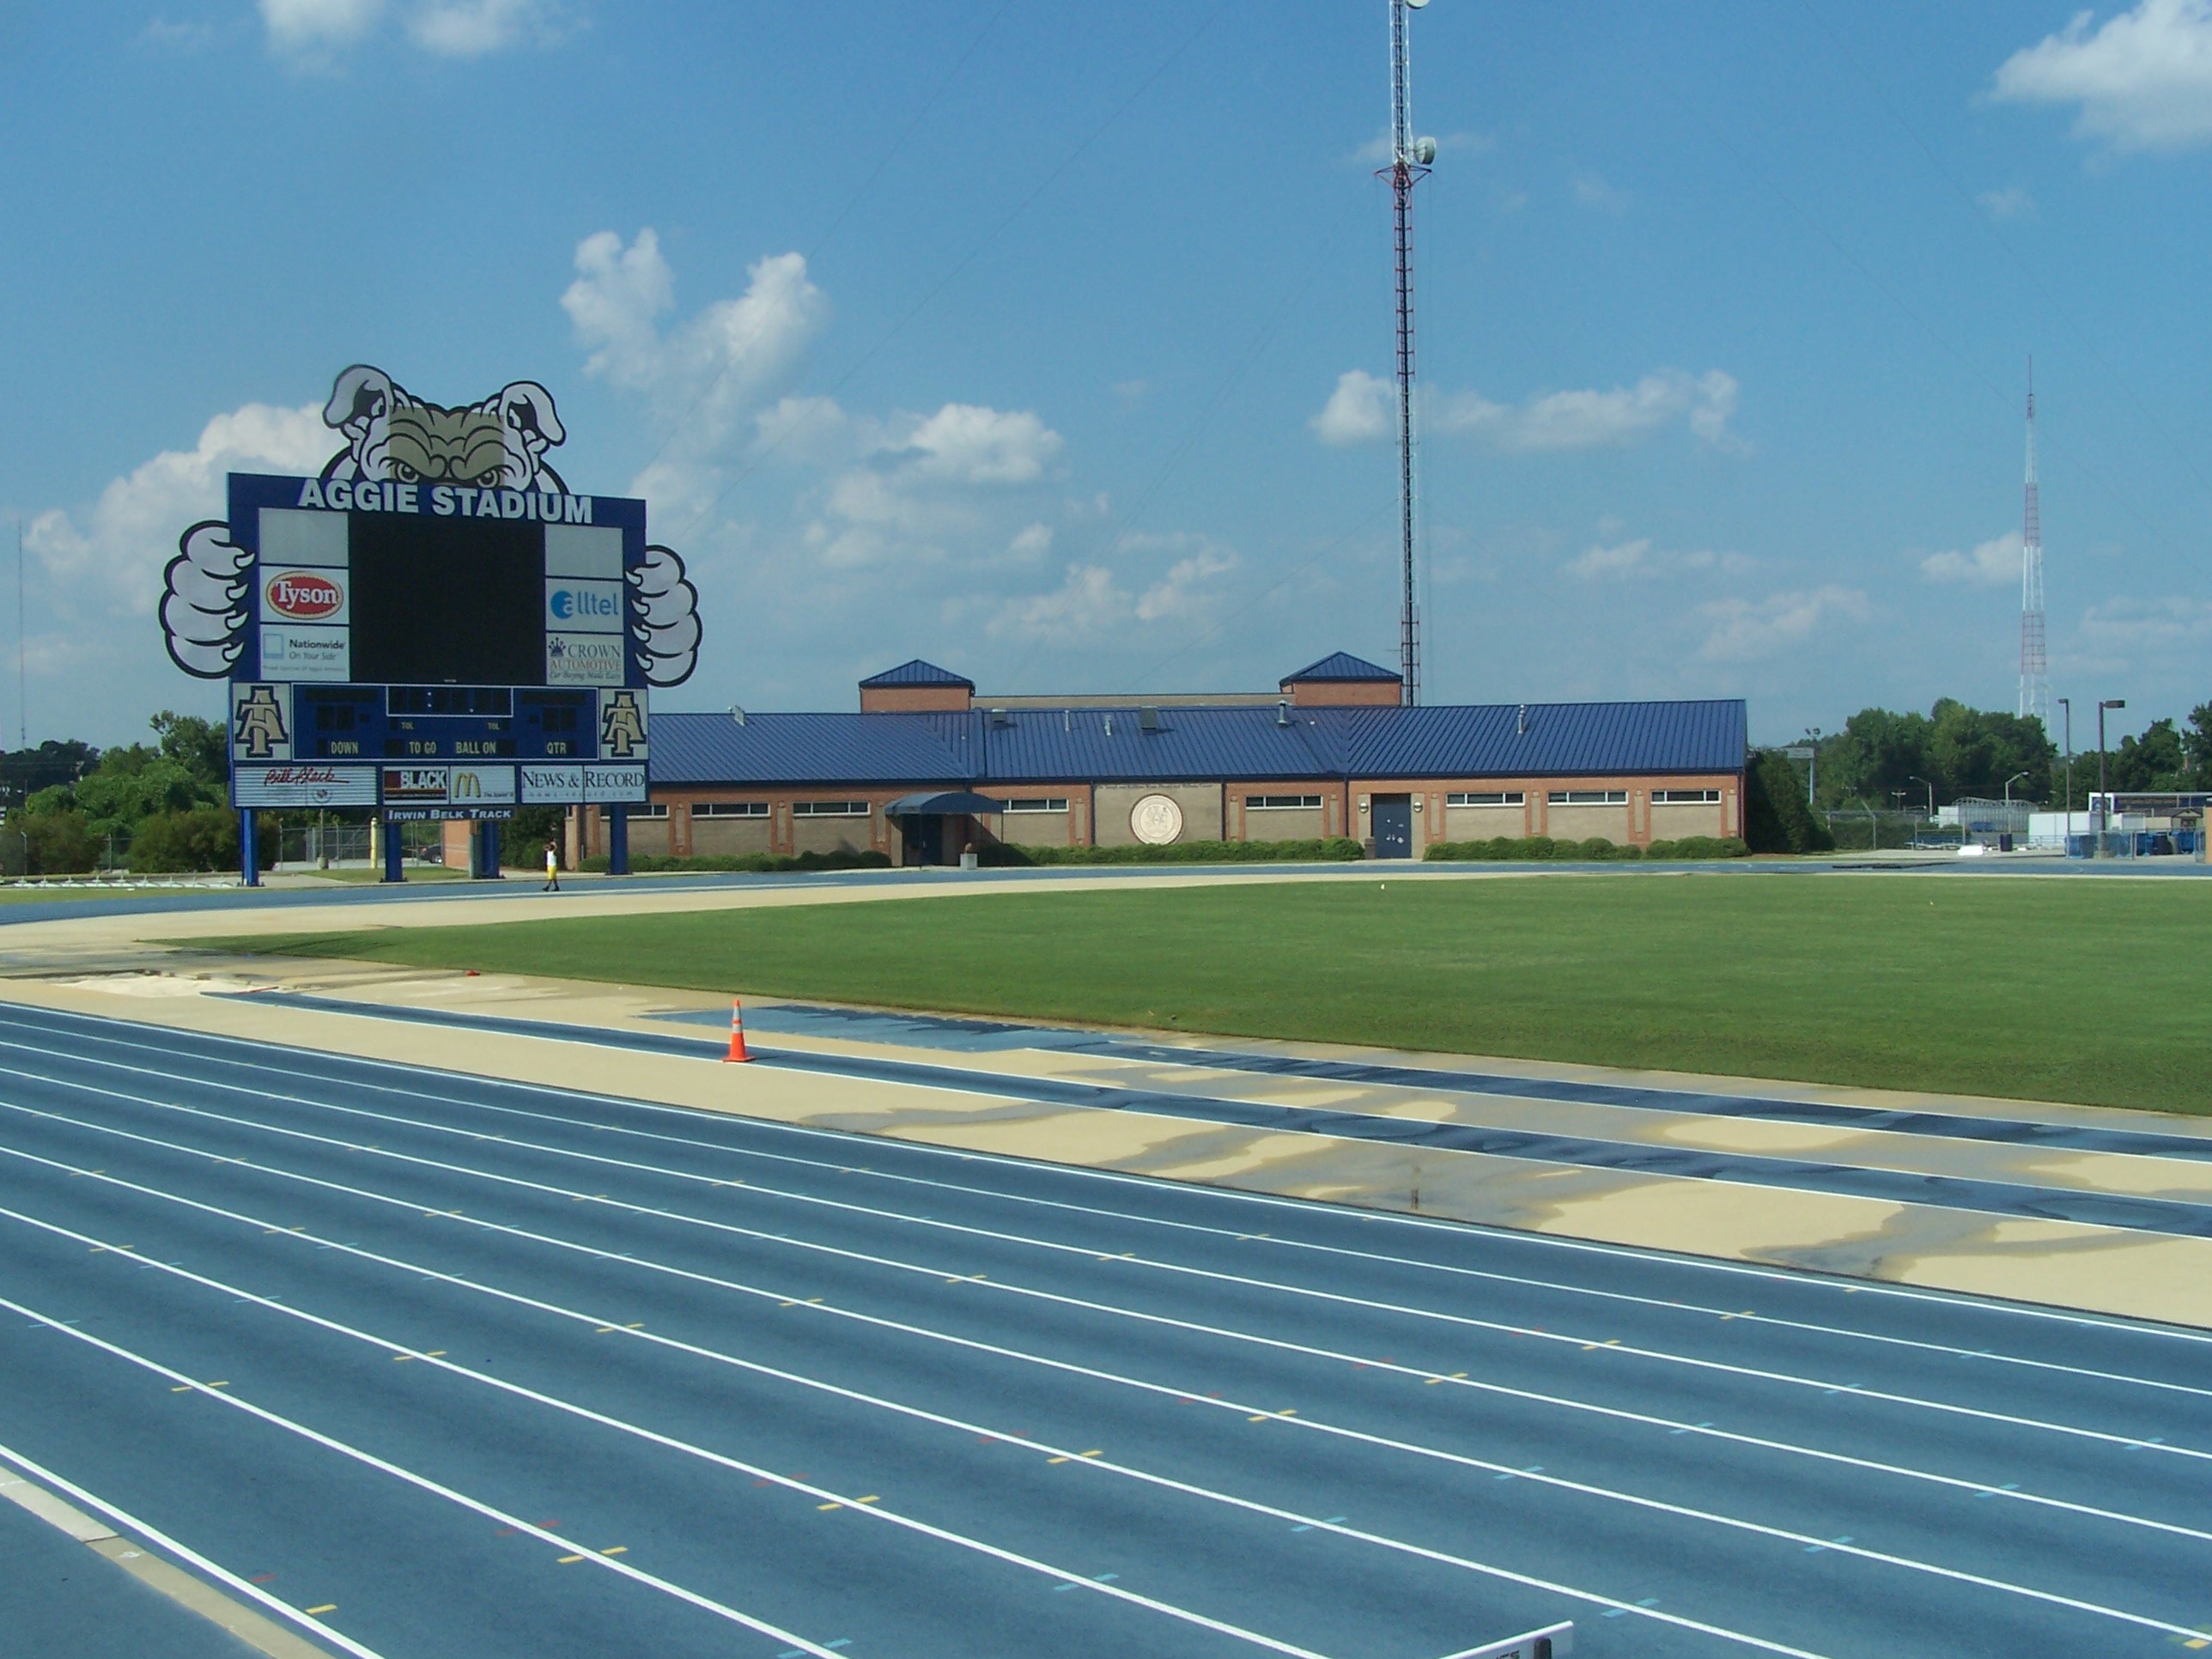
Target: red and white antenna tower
<point x="2034" y="667"/>
<point x="1409" y="164"/>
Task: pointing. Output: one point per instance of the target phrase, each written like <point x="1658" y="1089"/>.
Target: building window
<point x="652" y="809"/>
<point x="1492" y="797"/>
<point x="729" y="809"/>
<point x="828" y="809"/>
<point x="1588" y="798"/>
<point x="1037" y="803"/>
<point x="1282" y="803"/>
<point x="1686" y="798"/>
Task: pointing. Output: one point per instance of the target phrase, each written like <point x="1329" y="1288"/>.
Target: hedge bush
<point x="1508" y="848"/>
<point x="754" y="863"/>
<point x="205" y="838"/>
<point x="1334" y="849"/>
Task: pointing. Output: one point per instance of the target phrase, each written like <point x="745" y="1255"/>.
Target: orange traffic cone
<point x="737" y="1050"/>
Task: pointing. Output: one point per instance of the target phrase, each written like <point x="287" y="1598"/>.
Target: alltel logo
<point x="304" y="597"/>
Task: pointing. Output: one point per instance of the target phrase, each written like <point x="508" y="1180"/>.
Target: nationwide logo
<point x="568" y="603"/>
<point x="305" y="598"/>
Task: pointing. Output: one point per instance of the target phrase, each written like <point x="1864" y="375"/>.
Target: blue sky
<point x="1036" y="339"/>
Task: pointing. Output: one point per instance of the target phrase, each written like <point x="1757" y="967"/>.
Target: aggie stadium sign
<point x="435" y="624"/>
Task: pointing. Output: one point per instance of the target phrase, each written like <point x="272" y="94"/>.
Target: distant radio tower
<point x="1409" y="164"/>
<point x="2034" y="669"/>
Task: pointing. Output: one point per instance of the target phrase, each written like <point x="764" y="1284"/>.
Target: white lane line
<point x="1706" y="1430"/>
<point x="835" y="1499"/>
<point x="74" y="1026"/>
<point x="1242" y="1281"/>
<point x="230" y="1398"/>
<point x="129" y="1524"/>
<point x="1065" y="1456"/>
<point x="603" y="1325"/>
<point x="1169" y="1224"/>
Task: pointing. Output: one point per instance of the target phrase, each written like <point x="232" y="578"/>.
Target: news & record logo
<point x="302" y="596"/>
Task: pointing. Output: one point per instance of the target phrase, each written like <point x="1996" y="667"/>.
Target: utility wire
<point x="1123" y="527"/>
<point x="836" y="222"/>
<point x="2192" y="467"/>
<point x="1296" y="570"/>
<point x="1927" y="327"/>
<point x="962" y="265"/>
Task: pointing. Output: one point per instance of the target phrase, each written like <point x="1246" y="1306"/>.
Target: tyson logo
<point x="304" y="597"/>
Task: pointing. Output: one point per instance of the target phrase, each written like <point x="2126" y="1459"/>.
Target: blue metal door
<point x="1393" y="816"/>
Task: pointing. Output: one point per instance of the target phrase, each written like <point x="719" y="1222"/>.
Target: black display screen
<point x="447" y="601"/>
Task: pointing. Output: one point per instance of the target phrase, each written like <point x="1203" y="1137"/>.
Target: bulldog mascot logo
<point x="391" y="434"/>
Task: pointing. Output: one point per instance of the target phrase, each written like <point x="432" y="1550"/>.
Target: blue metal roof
<point x="1087" y="746"/>
<point x="1560" y="738"/>
<point x="1343" y="665"/>
<point x="916" y="672"/>
<point x="812" y="749"/>
<point x="1038" y="746"/>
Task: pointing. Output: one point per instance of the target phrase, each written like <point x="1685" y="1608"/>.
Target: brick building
<point x="1333" y="752"/>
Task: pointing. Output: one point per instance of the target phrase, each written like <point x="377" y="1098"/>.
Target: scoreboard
<point x="436" y="651"/>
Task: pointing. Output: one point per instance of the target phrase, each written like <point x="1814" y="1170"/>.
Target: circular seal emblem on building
<point x="1155" y="820"/>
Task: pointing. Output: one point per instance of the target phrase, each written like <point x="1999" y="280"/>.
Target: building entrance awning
<point x="947" y="803"/>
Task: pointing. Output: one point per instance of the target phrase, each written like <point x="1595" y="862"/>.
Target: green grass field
<point x="2086" y="990"/>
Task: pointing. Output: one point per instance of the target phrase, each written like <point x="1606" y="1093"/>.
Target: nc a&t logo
<point x="622" y="726"/>
<point x="257" y="726"/>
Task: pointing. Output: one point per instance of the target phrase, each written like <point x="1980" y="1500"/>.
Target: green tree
<point x="2156" y="760"/>
<point x="201" y="747"/>
<point x="1776" y="816"/>
<point x="2196" y="746"/>
<point x="1961" y="750"/>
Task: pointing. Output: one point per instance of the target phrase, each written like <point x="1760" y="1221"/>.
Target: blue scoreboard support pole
<point x="487" y="850"/>
<point x="393" y="869"/>
<point x="617" y="840"/>
<point x="249" y="847"/>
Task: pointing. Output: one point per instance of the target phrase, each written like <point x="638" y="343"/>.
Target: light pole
<point x="1813" y="766"/>
<point x="2104" y="797"/>
<point x="2067" y="703"/>
<point x="1931" y="800"/>
<point x="2008" y="783"/>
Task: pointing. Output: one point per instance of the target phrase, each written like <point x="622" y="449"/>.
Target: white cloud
<point x="1185" y="592"/>
<point x="1599" y="419"/>
<point x="1356" y="412"/>
<point x="707" y="379"/>
<point x="1993" y="564"/>
<point x="937" y="488"/>
<point x="1623" y="560"/>
<point x="1086" y="604"/>
<point x="314" y="27"/>
<point x="2013" y="203"/>
<point x="1743" y="629"/>
<point x="312" y="33"/>
<point x="1031" y="541"/>
<point x="1593" y="191"/>
<point x="1093" y="601"/>
<point x="114" y="551"/>
<point x="2148" y="622"/>
<point x="2143" y="81"/>
<point x="472" y="28"/>
<point x="967" y="444"/>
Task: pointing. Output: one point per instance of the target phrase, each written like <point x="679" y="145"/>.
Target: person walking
<point x="552" y="868"/>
